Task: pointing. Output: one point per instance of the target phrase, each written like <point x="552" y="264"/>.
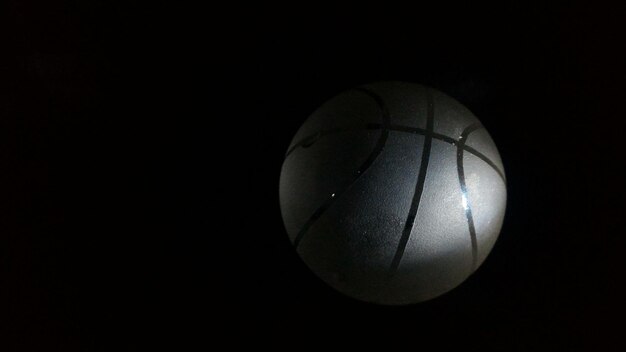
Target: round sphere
<point x="392" y="193"/>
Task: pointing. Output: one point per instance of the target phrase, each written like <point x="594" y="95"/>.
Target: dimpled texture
<point x="392" y="193"/>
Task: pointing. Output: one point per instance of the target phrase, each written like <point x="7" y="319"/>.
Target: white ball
<point x="393" y="193"/>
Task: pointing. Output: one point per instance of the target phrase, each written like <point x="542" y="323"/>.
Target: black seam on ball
<point x="380" y="144"/>
<point x="311" y="139"/>
<point x="466" y="202"/>
<point x="419" y="186"/>
<point x="405" y="129"/>
<point x="482" y="157"/>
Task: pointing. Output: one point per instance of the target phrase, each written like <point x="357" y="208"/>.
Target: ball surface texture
<point x="392" y="193"/>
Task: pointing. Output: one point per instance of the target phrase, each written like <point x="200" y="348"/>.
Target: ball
<point x="392" y="193"/>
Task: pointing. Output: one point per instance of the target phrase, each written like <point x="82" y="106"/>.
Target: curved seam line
<point x="419" y="186"/>
<point x="380" y="144"/>
<point x="465" y="199"/>
<point x="405" y="129"/>
<point x="484" y="158"/>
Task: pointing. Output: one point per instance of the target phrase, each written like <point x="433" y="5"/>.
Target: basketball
<point x="392" y="193"/>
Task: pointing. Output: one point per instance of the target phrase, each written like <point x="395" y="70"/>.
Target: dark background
<point x="141" y="146"/>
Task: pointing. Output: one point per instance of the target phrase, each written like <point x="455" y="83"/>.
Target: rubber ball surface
<point x="392" y="193"/>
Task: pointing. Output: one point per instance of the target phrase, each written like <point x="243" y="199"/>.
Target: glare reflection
<point x="464" y="200"/>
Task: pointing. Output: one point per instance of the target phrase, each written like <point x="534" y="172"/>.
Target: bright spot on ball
<point x="392" y="193"/>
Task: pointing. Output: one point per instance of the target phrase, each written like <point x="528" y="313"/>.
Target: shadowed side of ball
<point x="392" y="193"/>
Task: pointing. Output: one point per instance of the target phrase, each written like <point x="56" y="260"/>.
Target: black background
<point x="142" y="144"/>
